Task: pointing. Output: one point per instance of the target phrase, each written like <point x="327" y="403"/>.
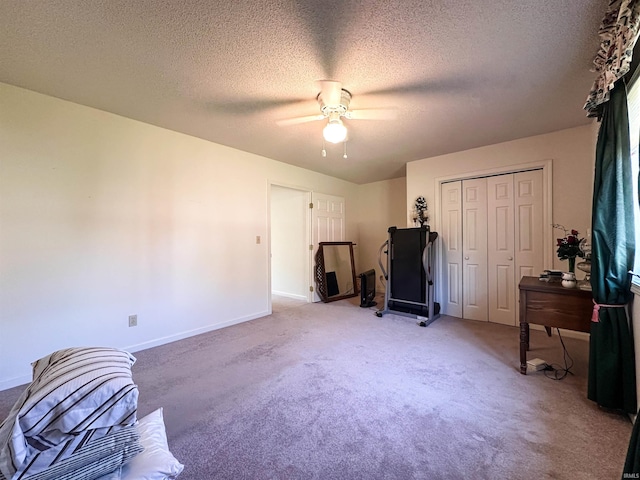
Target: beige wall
<point x="102" y="217"/>
<point x="572" y="154"/>
<point x="380" y="205"/>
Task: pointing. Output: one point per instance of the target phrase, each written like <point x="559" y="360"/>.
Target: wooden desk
<point x="551" y="305"/>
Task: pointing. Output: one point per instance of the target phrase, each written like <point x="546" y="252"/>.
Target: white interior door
<point x="328" y="219"/>
<point x="529" y="218"/>
<point x="500" y="250"/>
<point x="451" y="242"/>
<point x="474" y="247"/>
<point x="327" y="225"/>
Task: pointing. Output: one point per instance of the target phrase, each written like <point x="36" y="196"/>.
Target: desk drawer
<point x="561" y="311"/>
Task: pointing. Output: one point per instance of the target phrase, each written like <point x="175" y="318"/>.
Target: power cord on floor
<point x="555" y="371"/>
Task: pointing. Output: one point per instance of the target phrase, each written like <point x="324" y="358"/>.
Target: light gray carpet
<point x="330" y="391"/>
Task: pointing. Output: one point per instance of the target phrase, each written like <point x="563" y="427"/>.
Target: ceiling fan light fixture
<point x="335" y="131"/>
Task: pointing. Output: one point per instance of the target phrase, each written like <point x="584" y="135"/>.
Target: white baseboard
<point x="25" y="379"/>
<point x="563" y="331"/>
<point x="190" y="333"/>
<point x="290" y="295"/>
<point x="15" y="382"/>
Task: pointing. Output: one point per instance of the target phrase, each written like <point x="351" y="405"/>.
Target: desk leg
<point x="524" y="346"/>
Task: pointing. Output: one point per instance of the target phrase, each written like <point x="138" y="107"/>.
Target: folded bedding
<point x="94" y="459"/>
<point x="156" y="462"/>
<point x="75" y="420"/>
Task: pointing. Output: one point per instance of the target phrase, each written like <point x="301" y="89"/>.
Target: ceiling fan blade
<point x="297" y="120"/>
<point x="372" y="114"/>
<point x="430" y="86"/>
<point x="331" y="92"/>
<point x="250" y="106"/>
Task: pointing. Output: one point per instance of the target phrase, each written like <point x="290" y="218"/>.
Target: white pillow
<point x="156" y="462"/>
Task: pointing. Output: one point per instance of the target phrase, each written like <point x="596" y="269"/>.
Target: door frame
<point x="307" y="239"/>
<point x="546" y="165"/>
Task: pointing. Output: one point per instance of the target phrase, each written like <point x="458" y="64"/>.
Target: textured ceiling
<point x="460" y="74"/>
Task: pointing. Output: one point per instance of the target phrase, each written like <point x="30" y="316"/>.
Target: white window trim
<point x="633" y="99"/>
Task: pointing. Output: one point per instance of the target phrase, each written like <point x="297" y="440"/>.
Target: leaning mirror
<point x="335" y="271"/>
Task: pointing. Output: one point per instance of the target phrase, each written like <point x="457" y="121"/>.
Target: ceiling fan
<point x="334" y="106"/>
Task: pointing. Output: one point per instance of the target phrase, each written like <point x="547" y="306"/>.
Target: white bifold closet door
<point x="474" y="249"/>
<point x="528" y="208"/>
<point x="497" y="221"/>
<point x="451" y="248"/>
<point x="500" y="244"/>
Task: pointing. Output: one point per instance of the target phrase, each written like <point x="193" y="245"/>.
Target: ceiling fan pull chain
<point x="345" y="150"/>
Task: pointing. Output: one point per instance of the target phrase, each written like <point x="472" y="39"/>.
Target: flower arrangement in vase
<point x="569" y="246"/>
<point x="420" y="216"/>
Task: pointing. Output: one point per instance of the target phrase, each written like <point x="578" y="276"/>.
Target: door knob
<point x="510" y="258"/>
<point x="466" y="258"/>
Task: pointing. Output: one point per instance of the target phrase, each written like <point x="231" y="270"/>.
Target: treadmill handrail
<point x="384" y="271"/>
<point x="425" y="261"/>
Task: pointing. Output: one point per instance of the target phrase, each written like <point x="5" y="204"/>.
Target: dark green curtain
<point x="612" y="382"/>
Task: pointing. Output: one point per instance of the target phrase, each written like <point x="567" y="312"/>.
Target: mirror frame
<point x="321" y="274"/>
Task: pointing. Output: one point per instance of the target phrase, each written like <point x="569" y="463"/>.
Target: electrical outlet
<point x="133" y="320"/>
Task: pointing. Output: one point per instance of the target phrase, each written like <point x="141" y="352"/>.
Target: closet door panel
<point x="451" y="241"/>
<point x="474" y="247"/>
<point x="500" y="250"/>
<point x="528" y="192"/>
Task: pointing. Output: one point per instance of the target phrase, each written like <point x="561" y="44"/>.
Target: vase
<point x="569" y="280"/>
<point x="585" y="266"/>
<point x="572" y="264"/>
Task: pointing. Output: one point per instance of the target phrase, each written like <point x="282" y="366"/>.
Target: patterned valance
<point x="618" y="34"/>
